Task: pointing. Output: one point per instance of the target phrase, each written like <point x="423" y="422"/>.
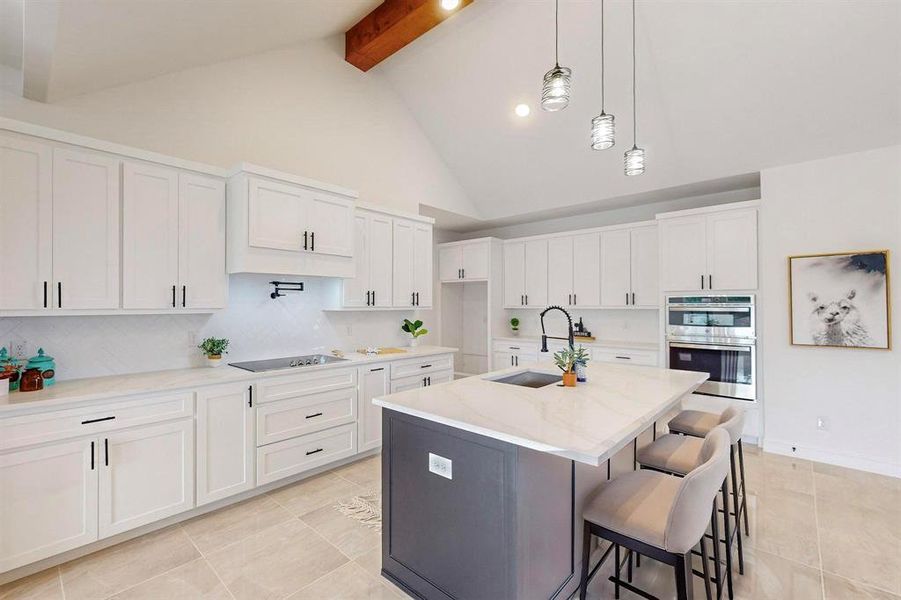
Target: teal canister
<point x="45" y="364"/>
<point x="6" y="362"/>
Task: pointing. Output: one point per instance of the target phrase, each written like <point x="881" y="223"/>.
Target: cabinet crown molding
<point x="282" y="176"/>
<point x="704" y="210"/>
<point x="576" y="232"/>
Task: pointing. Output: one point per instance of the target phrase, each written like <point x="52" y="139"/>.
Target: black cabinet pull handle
<point x="319" y="414"/>
<point x="569" y="299"/>
<point x="173" y="296"/>
<point x="376" y="369"/>
<point x="106" y="451"/>
<point x="45" y="294"/>
<point x="513" y="347"/>
<point x="92" y="455"/>
<point x="633" y="298"/>
<point x="314" y="451"/>
<point x="430" y="379"/>
<point x="417" y="298"/>
<point x="250" y="396"/>
<point x="367" y="297"/>
<point x="522" y="300"/>
<point x="527" y="299"/>
<point x="304" y="240"/>
<point x="312" y="241"/>
<point x="627" y="298"/>
<point x="373" y="297"/>
<point x="424" y="382"/>
<point x="575" y="300"/>
<point x="89" y="421"/>
<point x="710" y="282"/>
<point x="624" y="357"/>
<point x="463" y="271"/>
<point x="702" y="282"/>
<point x="59" y="294"/>
<point x="424" y="366"/>
<point x="184" y="296"/>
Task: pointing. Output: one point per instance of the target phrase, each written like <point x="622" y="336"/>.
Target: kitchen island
<point x="483" y="481"/>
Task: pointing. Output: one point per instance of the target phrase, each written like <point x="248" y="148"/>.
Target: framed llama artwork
<point x="840" y="300"/>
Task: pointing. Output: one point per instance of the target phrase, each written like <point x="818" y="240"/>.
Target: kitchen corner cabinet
<point x="464" y="261"/>
<point x="412" y="246"/>
<point x="85" y="230"/>
<point x="715" y="251"/>
<point x="526" y="273"/>
<point x="225" y="447"/>
<point x="374" y="382"/>
<point x="629" y="268"/>
<point x="373" y="256"/>
<point x="173" y="250"/>
<point x="26" y="219"/>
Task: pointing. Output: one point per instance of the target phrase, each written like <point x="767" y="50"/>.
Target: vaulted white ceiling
<point x="724" y="89"/>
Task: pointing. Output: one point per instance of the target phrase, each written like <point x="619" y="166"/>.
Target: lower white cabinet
<point x="418" y="381"/>
<point x="224" y="442"/>
<point x="296" y="455"/>
<point x="373" y="383"/>
<point x="48" y="501"/>
<point x="146" y="474"/>
<point x="293" y="417"/>
<point x="625" y="356"/>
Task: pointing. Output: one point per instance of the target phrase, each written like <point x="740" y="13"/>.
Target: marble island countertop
<point x="588" y="423"/>
<point x="599" y="343"/>
<point x="91" y="389"/>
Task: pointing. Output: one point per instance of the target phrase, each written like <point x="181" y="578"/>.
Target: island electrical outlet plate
<point x="441" y="466"/>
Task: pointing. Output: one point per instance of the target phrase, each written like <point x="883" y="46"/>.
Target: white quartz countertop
<point x="588" y="423"/>
<point x="117" y="386"/>
<point x="626" y="345"/>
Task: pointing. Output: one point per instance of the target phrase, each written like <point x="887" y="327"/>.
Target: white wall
<point x="302" y="109"/>
<point x="843" y="203"/>
<point x="257" y="326"/>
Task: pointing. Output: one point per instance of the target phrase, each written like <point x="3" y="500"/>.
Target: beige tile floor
<point x="817" y="532"/>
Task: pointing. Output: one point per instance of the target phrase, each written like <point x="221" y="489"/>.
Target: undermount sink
<point x="532" y="379"/>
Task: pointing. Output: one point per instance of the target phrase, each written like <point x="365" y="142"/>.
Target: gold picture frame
<point x="836" y="321"/>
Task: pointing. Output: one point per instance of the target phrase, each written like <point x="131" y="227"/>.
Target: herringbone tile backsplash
<point x="257" y="326"/>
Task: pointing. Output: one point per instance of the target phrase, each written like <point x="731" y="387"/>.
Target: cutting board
<point x="385" y="351"/>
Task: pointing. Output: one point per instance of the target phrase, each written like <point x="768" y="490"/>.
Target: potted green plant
<point x="415" y="329"/>
<point x="566" y="362"/>
<point x="514" y="326"/>
<point x="213" y="349"/>
<point x="581" y="360"/>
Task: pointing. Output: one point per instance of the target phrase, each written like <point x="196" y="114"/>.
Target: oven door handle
<point x="701" y="308"/>
<point x="747" y="347"/>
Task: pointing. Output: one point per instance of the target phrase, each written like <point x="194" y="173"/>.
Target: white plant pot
<point x="414" y="342"/>
<point x="4" y="387"/>
<point x="214" y="362"/>
<point x="514" y="332"/>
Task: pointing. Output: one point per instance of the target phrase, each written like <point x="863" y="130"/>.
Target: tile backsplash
<point x="257" y="326"/>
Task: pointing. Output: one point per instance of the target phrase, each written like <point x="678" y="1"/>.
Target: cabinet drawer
<point x="421" y="380"/>
<point x="290" y="457"/>
<point x="277" y="421"/>
<point x="39" y="428"/>
<point x="291" y="386"/>
<point x="516" y="348"/>
<point x="635" y="357"/>
<point x="409" y="368"/>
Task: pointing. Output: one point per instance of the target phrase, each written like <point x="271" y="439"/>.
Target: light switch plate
<point x="441" y="466"/>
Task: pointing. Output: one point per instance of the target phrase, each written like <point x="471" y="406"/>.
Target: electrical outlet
<point x="441" y="466"/>
<point x="822" y="425"/>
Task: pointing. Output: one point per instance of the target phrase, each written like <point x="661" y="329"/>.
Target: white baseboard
<point x="833" y="458"/>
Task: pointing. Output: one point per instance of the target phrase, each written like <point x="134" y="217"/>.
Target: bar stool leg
<point x="617" y="571"/>
<point x="586" y="552"/>
<point x="706" y="568"/>
<point x="728" y="538"/>
<point x="629" y="567"/>
<point x="684" y="577"/>
<point x="718" y="568"/>
<point x="737" y="530"/>
<point x="744" y="494"/>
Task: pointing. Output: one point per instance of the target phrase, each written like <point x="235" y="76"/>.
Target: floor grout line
<point x="816" y="519"/>
<point x="62" y="587"/>
<point x="862" y="583"/>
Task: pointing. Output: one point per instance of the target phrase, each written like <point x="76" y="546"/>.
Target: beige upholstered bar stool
<point x="679" y="454"/>
<point x="659" y="516"/>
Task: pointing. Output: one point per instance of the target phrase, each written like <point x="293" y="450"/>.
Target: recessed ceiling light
<point x="450" y="4"/>
<point x="522" y="110"/>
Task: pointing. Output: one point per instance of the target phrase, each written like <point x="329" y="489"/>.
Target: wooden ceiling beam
<point x="391" y="26"/>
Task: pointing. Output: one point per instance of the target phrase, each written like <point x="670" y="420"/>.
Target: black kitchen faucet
<point x="544" y="336"/>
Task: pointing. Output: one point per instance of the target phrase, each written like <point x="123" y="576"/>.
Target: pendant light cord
<point x="557" y="32"/>
<point x="634" y="111"/>
<point x="603" y="104"/>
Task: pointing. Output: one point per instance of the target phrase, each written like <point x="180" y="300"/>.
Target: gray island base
<point x="477" y="512"/>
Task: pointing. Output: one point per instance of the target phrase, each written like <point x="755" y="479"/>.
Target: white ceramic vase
<point x="414" y="341"/>
<point x="213" y="362"/>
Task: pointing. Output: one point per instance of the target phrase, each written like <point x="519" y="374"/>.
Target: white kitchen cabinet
<point x="149" y="236"/>
<point x="373" y="256"/>
<point x="294" y="417"/>
<point x="48" y="501"/>
<point x="330" y="222"/>
<point x="629" y="267"/>
<point x="526" y="274"/>
<point x="419" y="381"/>
<point x="277" y="215"/>
<point x="146" y="474"/>
<point x="412" y="264"/>
<point x="201" y="242"/>
<point x="25" y="223"/>
<point x="85" y="230"/>
<point x="374" y="382"/>
<point x="574" y="276"/>
<point x="514" y="354"/>
<point x="464" y="261"/>
<point x="224" y="444"/>
<point x="560" y="278"/>
<point x="296" y="455"/>
<point x="714" y="250"/>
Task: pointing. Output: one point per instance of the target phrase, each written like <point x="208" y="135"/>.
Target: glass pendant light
<point x="603" y="126"/>
<point x="634" y="158"/>
<point x="556" y="89"/>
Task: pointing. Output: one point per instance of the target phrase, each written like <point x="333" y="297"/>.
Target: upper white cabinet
<point x="280" y="223"/>
<point x="713" y="249"/>
<point x="526" y="273"/>
<point x="464" y="261"/>
<point x="629" y="267"/>
<point x="412" y="264"/>
<point x="573" y="275"/>
<point x="26" y="219"/>
<point x="373" y="256"/>
<point x="85" y="229"/>
<point x="201" y="241"/>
